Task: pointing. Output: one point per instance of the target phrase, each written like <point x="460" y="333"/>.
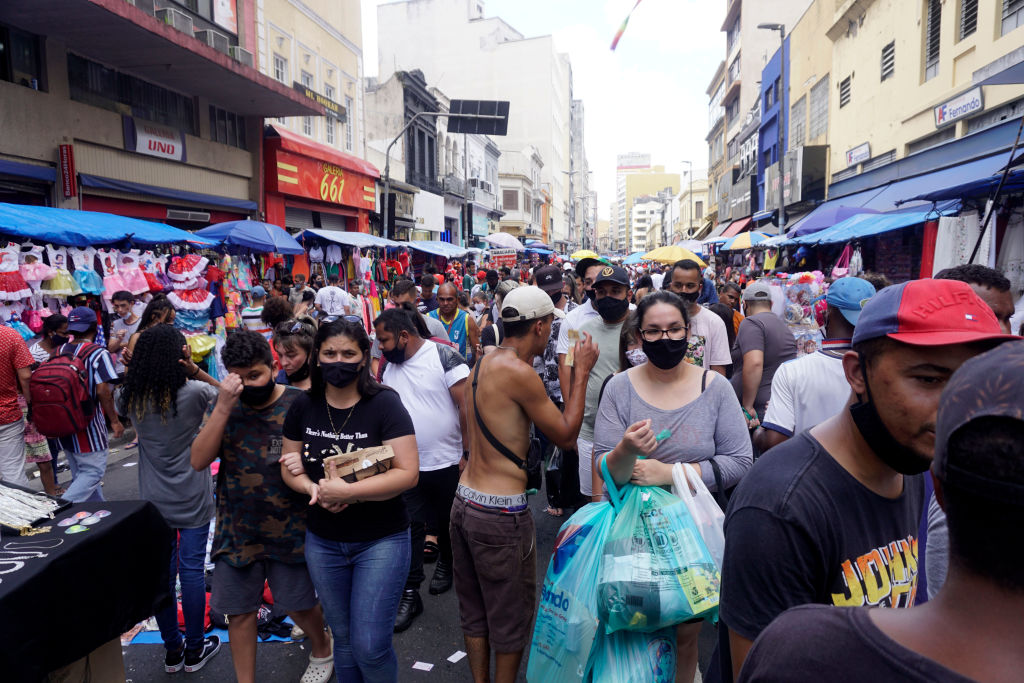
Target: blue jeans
<point x="188" y="551"/>
<point x="360" y="585"/>
<point x="87" y="470"/>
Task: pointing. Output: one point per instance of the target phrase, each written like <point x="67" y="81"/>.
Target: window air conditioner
<point x="175" y="18"/>
<point x="194" y="216"/>
<point x="240" y="54"/>
<point x="218" y="41"/>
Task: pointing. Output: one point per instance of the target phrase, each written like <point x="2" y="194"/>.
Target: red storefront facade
<point x="311" y="184"/>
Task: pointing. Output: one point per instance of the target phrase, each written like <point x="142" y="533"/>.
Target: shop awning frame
<point x="869" y="225"/>
<point x="360" y="240"/>
<point x="292" y="142"/>
<point x="129" y="187"/>
<point x="736" y="227"/>
<point x="437" y="248"/>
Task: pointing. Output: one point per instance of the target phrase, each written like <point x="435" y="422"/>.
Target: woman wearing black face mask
<point x="293" y="341"/>
<point x="357" y="539"/>
<point x="699" y="409"/>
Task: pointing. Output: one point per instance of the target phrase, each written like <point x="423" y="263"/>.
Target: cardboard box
<point x="357" y="465"/>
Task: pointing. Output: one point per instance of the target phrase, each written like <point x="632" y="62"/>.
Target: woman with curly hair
<point x="166" y="395"/>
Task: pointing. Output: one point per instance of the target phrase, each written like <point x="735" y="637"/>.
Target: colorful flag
<point x="622" y="29"/>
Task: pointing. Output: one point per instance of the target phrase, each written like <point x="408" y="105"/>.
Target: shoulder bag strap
<point x="491" y="439"/>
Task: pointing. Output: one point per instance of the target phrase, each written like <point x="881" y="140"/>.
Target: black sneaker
<point x="409" y="608"/>
<point x="196" y="659"/>
<point x="174" y="660"/>
<point x="442" y="580"/>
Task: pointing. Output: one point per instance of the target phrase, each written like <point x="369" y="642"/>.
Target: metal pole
<point x="782" y="111"/>
<point x="992" y="202"/>
<point x="467" y="228"/>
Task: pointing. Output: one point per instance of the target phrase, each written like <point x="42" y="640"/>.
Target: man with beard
<point x="709" y="342"/>
<point x="587" y="270"/>
<point x="832" y="516"/>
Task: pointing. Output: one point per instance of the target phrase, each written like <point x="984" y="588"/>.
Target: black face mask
<point x="880" y="439"/>
<point x="588" y="295"/>
<point x="556" y="297"/>
<point x="57" y="340"/>
<point x="300" y="374"/>
<point x="689" y="297"/>
<point x="258" y="395"/>
<point x="666" y="353"/>
<point x="395" y="355"/>
<point x="340" y="374"/>
<point x="611" y="309"/>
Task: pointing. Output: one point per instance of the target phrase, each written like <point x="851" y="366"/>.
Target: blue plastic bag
<point x="628" y="657"/>
<point x="655" y="570"/>
<point x="567" y="622"/>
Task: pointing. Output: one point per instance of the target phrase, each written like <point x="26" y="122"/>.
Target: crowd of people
<point x="483" y="387"/>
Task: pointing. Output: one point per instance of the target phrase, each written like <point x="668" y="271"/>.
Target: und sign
<point x="959" y="107"/>
<point x="153" y="139"/>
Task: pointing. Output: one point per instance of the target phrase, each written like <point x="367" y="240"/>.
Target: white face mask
<point x="636" y="357"/>
<point x="479" y="307"/>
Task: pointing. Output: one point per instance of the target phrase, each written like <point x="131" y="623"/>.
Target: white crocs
<point x="320" y="669"/>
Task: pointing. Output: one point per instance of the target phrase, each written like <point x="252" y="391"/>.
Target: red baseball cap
<point x="928" y="313"/>
<point x="481" y="275"/>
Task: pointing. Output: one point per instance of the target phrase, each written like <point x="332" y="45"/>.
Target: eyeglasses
<point x="674" y="333"/>
<point x="346" y="318"/>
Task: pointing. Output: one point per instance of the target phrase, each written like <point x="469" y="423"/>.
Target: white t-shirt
<point x="574" y="320"/>
<point x="806" y="391"/>
<point x="658" y="279"/>
<point x="334" y="301"/>
<point x="709" y="342"/>
<point x="423" y="385"/>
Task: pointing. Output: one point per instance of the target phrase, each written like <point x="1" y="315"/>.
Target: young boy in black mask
<point x="832" y="516"/>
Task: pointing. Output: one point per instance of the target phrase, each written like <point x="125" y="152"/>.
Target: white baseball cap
<point x="528" y="303"/>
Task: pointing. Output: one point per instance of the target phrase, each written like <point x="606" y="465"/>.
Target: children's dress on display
<point x="112" y="280"/>
<point x="12" y="285"/>
<point x="128" y="267"/>
<point x="61" y="284"/>
<point x="88" y="280"/>
<point x="32" y="267"/>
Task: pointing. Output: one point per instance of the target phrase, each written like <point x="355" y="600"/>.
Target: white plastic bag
<point x="706" y="513"/>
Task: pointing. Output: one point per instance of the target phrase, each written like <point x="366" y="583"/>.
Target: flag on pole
<point x="622" y="28"/>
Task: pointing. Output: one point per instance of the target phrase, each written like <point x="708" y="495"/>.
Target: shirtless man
<point x="493" y="540"/>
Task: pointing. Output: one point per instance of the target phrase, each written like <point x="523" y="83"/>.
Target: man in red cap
<point x="832" y="515"/>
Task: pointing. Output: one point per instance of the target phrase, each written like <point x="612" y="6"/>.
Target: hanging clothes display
<point x="956" y="239"/>
<point x="61" y="284"/>
<point x="12" y="285"/>
<point x="1011" y="253"/>
<point x="131" y="273"/>
<point x="88" y="280"/>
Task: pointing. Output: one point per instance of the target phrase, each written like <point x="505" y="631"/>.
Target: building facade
<point x="524" y="201"/>
<point x="88" y="125"/>
<point x="471" y="56"/>
<point x="635" y="177"/>
<point x="691" y="211"/>
<point x="716" y="140"/>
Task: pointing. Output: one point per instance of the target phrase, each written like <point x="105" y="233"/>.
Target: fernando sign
<point x="959" y="107"/>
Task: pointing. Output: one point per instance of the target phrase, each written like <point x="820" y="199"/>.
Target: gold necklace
<point x="331" y="419"/>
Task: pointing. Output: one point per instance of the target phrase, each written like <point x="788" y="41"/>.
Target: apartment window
<point x="306" y="79"/>
<point x="307" y="126"/>
<point x="968" y="17"/>
<point x="227" y="128"/>
<point x="20" y="58"/>
<point x="818" y="115"/>
<point x="769" y="98"/>
<point x="698" y="210"/>
<point x="349" y="118"/>
<point x="329" y="130"/>
<point x="1013" y="15"/>
<point x="280" y="69"/>
<point x="99" y="86"/>
<point x="844" y="92"/>
<point x="510" y="200"/>
<point x="932" y="39"/>
<point x="889" y="60"/>
<point x="798" y="122"/>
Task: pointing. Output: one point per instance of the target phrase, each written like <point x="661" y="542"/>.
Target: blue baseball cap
<point x="258" y="292"/>
<point x="81" y="319"/>
<point x="849" y="294"/>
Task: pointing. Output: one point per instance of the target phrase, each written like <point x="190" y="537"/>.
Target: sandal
<point x="320" y="669"/>
<point x="554" y="512"/>
<point x="431" y="551"/>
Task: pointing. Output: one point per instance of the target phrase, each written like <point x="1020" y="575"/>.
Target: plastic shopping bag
<point x="626" y="657"/>
<point x="567" y="623"/>
<point x="655" y="569"/>
<point x="706" y="514"/>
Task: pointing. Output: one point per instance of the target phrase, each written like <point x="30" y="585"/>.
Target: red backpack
<point x="59" y="389"/>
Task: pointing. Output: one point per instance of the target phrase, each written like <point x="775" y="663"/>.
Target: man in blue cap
<point x="87" y="450"/>
<point x="813" y="388"/>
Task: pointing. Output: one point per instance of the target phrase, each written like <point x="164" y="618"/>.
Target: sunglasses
<point x="346" y="318"/>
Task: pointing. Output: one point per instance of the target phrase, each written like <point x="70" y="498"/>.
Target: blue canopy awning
<point x="254" y="235"/>
<point x="982" y="187"/>
<point x="360" y="240"/>
<point x="74" y="228"/>
<point x="901" y="192"/>
<point x="869" y="224"/>
<point x="165" y="192"/>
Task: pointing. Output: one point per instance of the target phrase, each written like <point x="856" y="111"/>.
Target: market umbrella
<point x="693" y="245"/>
<point x="671" y="254"/>
<point x="744" y="240"/>
<point x="255" y="235"/>
<point x="634" y="258"/>
<point x="536" y="244"/>
<point x="504" y="239"/>
<point x="582" y="254"/>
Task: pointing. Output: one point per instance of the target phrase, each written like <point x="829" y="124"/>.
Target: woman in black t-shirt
<point x="357" y="539"/>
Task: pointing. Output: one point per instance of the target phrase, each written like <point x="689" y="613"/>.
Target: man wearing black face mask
<point x="709" y="341"/>
<point x="587" y="270"/>
<point x="832" y="515"/>
<point x="611" y="289"/>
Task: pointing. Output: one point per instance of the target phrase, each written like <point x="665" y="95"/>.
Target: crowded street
<point x="631" y="341"/>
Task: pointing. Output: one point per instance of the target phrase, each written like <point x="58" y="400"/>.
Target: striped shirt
<point x="99" y="368"/>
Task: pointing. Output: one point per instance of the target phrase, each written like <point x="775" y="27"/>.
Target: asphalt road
<point x="433" y="637"/>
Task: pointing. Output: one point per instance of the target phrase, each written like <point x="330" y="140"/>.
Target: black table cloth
<point x="63" y="594"/>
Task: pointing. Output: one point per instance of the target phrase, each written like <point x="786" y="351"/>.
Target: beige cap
<point x="528" y="303"/>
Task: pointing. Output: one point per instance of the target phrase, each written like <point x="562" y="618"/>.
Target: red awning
<point x="293" y="142"/>
<point x="736" y="227"/>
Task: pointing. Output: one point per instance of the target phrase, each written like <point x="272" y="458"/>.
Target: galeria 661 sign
<point x="332" y="182"/>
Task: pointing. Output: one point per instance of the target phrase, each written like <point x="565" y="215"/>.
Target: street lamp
<point x="689" y="200"/>
<point x="781" y="28"/>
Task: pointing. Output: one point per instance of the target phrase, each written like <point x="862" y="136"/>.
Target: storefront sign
<point x="153" y="139"/>
<point x="403" y="203"/>
<point x="959" y="107"/>
<point x="224" y="15"/>
<point x="333" y="108"/>
<point x="858" y="154"/>
<point x="68" y="181"/>
<point x="481" y="226"/>
<point x="503" y="257"/>
<point x="321" y="180"/>
<point x="428" y="211"/>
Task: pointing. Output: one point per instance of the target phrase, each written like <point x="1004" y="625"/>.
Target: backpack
<point x="59" y="389"/>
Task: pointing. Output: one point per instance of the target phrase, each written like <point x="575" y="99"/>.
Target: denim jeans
<point x="12" y="453"/>
<point x="360" y="585"/>
<point x="188" y="552"/>
<point x="87" y="470"/>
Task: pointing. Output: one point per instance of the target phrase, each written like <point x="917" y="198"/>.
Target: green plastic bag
<point x="627" y="657"/>
<point x="655" y="569"/>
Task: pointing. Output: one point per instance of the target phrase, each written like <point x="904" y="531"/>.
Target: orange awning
<point x="736" y="227"/>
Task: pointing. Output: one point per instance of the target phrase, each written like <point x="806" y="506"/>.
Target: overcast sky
<point x="647" y="96"/>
